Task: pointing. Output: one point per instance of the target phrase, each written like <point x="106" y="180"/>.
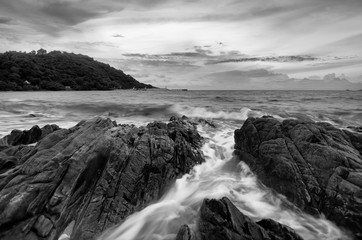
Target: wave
<point x="208" y="113"/>
<point x="34" y="109"/>
<point x="38" y="112"/>
<point x="118" y="110"/>
<point x="311" y="99"/>
<point x="224" y="99"/>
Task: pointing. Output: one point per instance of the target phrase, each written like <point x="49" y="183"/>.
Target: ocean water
<point x="221" y="174"/>
<point x="22" y="110"/>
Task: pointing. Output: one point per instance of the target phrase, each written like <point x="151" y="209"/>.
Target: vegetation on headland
<point x="56" y="70"/>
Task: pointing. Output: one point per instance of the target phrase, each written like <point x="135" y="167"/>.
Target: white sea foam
<point x="220" y="175"/>
<point x="202" y="112"/>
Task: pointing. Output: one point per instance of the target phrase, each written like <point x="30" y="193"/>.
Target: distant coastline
<point x="60" y="71"/>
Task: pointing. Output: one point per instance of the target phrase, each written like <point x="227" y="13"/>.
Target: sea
<point x="222" y="174"/>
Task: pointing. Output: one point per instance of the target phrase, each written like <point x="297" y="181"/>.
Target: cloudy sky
<point x="199" y="44"/>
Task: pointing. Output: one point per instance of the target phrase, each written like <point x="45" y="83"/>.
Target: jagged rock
<point x="82" y="180"/>
<point x="315" y="165"/>
<point x="184" y="233"/>
<point x="33" y="135"/>
<point x="220" y="219"/>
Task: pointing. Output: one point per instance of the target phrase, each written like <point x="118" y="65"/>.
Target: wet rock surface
<point x="90" y="177"/>
<point x="315" y="165"/>
<point x="220" y="219"/>
<point x="33" y="135"/>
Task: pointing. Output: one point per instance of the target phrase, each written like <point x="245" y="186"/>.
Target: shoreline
<point x="180" y="90"/>
<point x="46" y="135"/>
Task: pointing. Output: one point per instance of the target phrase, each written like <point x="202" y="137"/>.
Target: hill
<point x="58" y="70"/>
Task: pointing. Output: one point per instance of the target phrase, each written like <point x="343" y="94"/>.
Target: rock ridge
<point x="317" y="166"/>
<point x="220" y="219"/>
<point x="83" y="180"/>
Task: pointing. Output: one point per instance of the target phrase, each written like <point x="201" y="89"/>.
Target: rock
<point x="43" y="226"/>
<point x="315" y="165"/>
<point x="184" y="233"/>
<point x="33" y="135"/>
<point x="206" y="123"/>
<point x="277" y="231"/>
<point x="220" y="219"/>
<point x="356" y="129"/>
<point x="83" y="180"/>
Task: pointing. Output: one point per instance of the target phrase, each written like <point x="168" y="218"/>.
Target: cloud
<point x="267" y="59"/>
<point x="236" y="67"/>
<point x="142" y="55"/>
<point x="5" y="20"/>
<point x="205" y="50"/>
<point x="53" y="16"/>
<point x="345" y="45"/>
<point x="187" y="39"/>
<point x="205" y="56"/>
<point x="92" y="44"/>
<point x="191" y="58"/>
<point x="262" y="79"/>
<point x="253" y="73"/>
<point x="64" y="12"/>
<point x="199" y="53"/>
<point x="239" y="79"/>
<point x="118" y="36"/>
<point x="69" y="13"/>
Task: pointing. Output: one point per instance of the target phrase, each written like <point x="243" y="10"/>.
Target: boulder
<point x="317" y="166"/>
<point x="220" y="219"/>
<point x="80" y="181"/>
<point x="33" y="135"/>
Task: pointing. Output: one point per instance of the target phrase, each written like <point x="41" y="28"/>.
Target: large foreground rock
<point x="221" y="220"/>
<point x="90" y="177"/>
<point x="315" y="165"/>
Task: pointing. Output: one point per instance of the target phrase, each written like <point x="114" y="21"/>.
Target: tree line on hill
<point x="56" y="70"/>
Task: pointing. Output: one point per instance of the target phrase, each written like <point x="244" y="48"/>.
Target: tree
<point x="41" y="51"/>
<point x="55" y="70"/>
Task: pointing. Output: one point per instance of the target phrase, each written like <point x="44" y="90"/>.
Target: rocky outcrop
<point x="33" y="135"/>
<point x="82" y="180"/>
<point x="220" y="219"/>
<point x="315" y="165"/>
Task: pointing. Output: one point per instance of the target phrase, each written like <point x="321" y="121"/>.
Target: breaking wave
<point x="203" y="112"/>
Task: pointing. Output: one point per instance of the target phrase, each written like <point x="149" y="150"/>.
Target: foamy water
<point x="220" y="175"/>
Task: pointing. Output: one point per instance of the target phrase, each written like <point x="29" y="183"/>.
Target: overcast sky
<point x="196" y="43"/>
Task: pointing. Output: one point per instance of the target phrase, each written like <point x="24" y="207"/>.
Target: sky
<point x="200" y="44"/>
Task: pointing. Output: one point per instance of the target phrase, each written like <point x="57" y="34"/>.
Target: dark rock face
<point x="33" y="135"/>
<point x="220" y="219"/>
<point x="91" y="176"/>
<point x="315" y="165"/>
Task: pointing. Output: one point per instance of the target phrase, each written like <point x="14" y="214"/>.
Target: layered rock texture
<point x="33" y="135"/>
<point x="221" y="220"/>
<point x="89" y="177"/>
<point x="315" y="165"/>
